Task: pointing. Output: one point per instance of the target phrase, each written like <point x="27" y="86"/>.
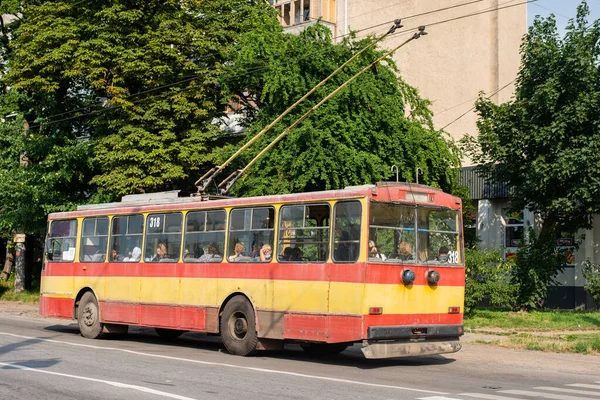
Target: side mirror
<point x="49" y="255"/>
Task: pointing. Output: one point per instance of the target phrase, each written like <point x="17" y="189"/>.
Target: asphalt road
<point x="48" y="359"/>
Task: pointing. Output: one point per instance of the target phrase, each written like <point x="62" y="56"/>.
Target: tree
<point x="138" y="81"/>
<point x="354" y="138"/>
<point x="545" y="142"/>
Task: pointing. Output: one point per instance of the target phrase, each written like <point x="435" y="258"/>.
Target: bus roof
<point x="170" y="201"/>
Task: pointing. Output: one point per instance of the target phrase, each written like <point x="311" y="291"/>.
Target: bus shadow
<point x="351" y="357"/>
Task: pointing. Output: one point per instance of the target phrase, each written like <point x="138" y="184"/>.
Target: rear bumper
<point x="415" y="340"/>
<point x="414" y="332"/>
<point x="408" y="348"/>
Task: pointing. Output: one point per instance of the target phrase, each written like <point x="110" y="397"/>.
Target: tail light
<point x="453" y="310"/>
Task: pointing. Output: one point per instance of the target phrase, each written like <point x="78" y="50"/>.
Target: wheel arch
<point x="80" y="294"/>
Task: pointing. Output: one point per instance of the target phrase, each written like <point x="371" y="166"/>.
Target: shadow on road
<point x="351" y="357"/>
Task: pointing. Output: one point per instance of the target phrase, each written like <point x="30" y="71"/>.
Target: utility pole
<point x="20" y="264"/>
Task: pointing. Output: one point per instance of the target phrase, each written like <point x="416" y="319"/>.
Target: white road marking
<point x="111" y="383"/>
<point x="437" y="398"/>
<point x="263" y="370"/>
<point x="584" y="385"/>
<point x="543" y="395"/>
<point x="572" y="391"/>
<point x="489" y="396"/>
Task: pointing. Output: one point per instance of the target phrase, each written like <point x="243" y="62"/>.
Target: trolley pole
<point x="20" y="264"/>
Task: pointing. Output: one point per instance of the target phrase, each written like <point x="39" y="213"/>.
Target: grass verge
<point x="552" y="331"/>
<point x="538" y="321"/>
<point x="7" y="292"/>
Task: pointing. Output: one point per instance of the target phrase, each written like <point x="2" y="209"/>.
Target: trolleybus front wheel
<point x="88" y="316"/>
<point x="238" y="327"/>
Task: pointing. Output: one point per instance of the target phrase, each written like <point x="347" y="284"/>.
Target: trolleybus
<point x="380" y="265"/>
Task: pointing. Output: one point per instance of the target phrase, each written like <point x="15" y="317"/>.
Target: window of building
<point x="163" y="237"/>
<point x="61" y="242"/>
<point x="126" y="238"/>
<point x="204" y="236"/>
<point x="304" y="233"/>
<point x="94" y="239"/>
<point x="346" y="238"/>
<point x="514" y="231"/>
<point x="250" y="229"/>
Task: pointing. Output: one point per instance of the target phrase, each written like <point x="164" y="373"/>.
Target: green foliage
<point x="543" y="143"/>
<point x="537" y="264"/>
<point x="354" y="138"/>
<point x="488" y="277"/>
<point x="591" y="273"/>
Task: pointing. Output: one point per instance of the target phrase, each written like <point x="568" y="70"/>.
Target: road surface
<point x="47" y="358"/>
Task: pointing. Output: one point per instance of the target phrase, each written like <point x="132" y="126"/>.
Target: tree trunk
<point x="8" y="263"/>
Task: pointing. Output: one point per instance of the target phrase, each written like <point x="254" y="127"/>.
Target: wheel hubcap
<point x="239" y="325"/>
<point x="89" y="314"/>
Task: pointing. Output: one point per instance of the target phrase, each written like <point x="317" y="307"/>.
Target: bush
<point x="487" y="276"/>
<point x="591" y="273"/>
<point x="536" y="265"/>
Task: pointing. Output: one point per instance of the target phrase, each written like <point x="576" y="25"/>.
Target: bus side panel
<point x="56" y="307"/>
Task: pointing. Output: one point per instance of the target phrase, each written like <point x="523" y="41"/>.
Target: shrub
<point x="487" y="277"/>
<point x="591" y="273"/>
<point x="536" y="265"/>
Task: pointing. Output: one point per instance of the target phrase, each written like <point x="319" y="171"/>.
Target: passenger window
<point x="251" y="234"/>
<point x="94" y="239"/>
<point x="126" y="238"/>
<point x="60" y="243"/>
<point x="163" y="237"/>
<point x="304" y="233"/>
<point x="346" y="239"/>
<point x="204" y="236"/>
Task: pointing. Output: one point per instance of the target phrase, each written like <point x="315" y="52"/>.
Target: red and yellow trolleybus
<point x="380" y="265"/>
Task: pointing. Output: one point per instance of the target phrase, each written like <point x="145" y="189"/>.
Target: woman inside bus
<point x="404" y="251"/>
<point x="264" y="254"/>
<point x="374" y="252"/>
<point x="239" y="250"/>
<point x="212" y="254"/>
<point x="161" y="252"/>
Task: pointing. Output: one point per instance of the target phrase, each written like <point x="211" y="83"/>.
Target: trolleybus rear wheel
<point x="238" y="327"/>
<point x="88" y="317"/>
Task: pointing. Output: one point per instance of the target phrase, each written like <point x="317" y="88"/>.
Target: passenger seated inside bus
<point x="404" y="251"/>
<point x="287" y="254"/>
<point x="136" y="254"/>
<point x="239" y="253"/>
<point x="114" y="255"/>
<point x="212" y="254"/>
<point x="161" y="252"/>
<point x="443" y="254"/>
<point x="296" y="254"/>
<point x="374" y="252"/>
<point x="264" y="254"/>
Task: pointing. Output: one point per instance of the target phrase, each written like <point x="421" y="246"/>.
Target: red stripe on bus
<point x="54" y="307"/>
<point x="351" y="273"/>
<point x="310" y="327"/>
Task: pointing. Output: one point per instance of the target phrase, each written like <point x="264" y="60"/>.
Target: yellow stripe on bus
<point x="280" y="295"/>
